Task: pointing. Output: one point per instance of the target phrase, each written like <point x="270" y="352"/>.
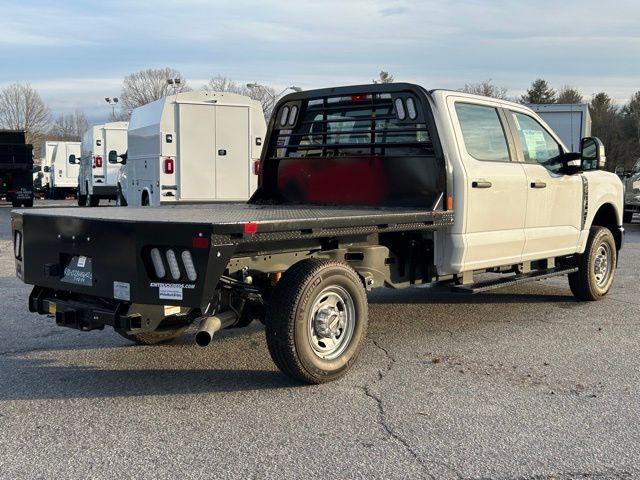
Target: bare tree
<point x="485" y="88"/>
<point x="22" y="108"/>
<point x="69" y="127"/>
<point x="384" y="77"/>
<point x="148" y="85"/>
<point x="568" y="94"/>
<point x="265" y="94"/>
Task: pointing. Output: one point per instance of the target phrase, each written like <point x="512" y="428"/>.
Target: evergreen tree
<point x="539" y="92"/>
<point x="569" y="94"/>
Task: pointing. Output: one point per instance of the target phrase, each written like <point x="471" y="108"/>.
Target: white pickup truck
<point x="360" y="187"/>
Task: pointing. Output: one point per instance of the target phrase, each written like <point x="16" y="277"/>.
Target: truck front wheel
<point x="316" y="320"/>
<point x="596" y="266"/>
<point x="627" y="217"/>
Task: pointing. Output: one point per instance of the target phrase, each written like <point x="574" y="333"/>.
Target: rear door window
<point x="482" y="132"/>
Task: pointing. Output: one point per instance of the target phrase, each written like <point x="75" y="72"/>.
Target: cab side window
<point x="538" y="146"/>
<point x="482" y="132"/>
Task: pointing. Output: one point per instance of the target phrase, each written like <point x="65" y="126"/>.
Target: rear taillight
<point x="158" y="265"/>
<point x="99" y="162"/>
<point x="256" y="167"/>
<point x="168" y="166"/>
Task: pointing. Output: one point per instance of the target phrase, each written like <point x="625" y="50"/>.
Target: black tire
<point x="288" y="318"/>
<point x="120" y="200"/>
<point x="153" y="338"/>
<point x="92" y="200"/>
<point x="145" y="199"/>
<point x="627" y="217"/>
<point x="15" y="204"/>
<point x="584" y="283"/>
<point x="82" y="199"/>
<point x="28" y="203"/>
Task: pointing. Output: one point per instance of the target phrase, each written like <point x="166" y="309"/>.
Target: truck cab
<point x="98" y="178"/>
<point x="362" y="187"/>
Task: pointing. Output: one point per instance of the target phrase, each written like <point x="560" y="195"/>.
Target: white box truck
<point x="98" y="177"/>
<point x="193" y="147"/>
<point x="571" y="122"/>
<point x="63" y="173"/>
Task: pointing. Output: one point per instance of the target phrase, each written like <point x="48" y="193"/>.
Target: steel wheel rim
<point x="331" y="322"/>
<point x="602" y="264"/>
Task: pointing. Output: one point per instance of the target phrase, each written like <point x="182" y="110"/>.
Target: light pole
<point x="113" y="101"/>
<point x="174" y="83"/>
<point x="274" y="98"/>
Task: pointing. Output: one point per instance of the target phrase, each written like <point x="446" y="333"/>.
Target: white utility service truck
<point x="571" y="122"/>
<point x="63" y="174"/>
<point x="98" y="177"/>
<point x="386" y="185"/>
<point x="192" y="147"/>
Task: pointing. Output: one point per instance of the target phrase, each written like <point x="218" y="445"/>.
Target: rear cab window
<point x="482" y="132"/>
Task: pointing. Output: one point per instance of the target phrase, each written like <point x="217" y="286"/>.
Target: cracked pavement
<point x="519" y="383"/>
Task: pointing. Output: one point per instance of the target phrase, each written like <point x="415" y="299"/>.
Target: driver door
<point x="554" y="201"/>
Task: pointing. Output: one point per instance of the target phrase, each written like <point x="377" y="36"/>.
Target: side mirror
<point x="72" y="159"/>
<point x="37" y="168"/>
<point x="592" y="153"/>
<point x="113" y="156"/>
<point x="571" y="163"/>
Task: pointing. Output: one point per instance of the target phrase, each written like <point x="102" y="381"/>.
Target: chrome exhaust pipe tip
<point x="210" y="325"/>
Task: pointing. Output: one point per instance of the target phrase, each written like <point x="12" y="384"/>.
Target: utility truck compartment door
<point x="196" y="151"/>
<point x="232" y="153"/>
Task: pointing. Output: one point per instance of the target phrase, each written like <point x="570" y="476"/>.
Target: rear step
<point x="513" y="280"/>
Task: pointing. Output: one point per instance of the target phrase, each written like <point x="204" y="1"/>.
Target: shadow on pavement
<point x="38" y="379"/>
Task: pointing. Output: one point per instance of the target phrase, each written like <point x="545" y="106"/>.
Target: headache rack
<point x="322" y="129"/>
<point x="370" y="145"/>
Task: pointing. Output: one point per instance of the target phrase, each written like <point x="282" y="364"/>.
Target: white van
<point x="63" y="174"/>
<point x="193" y="147"/>
<point x="98" y="177"/>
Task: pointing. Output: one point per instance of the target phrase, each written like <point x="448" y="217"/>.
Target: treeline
<point x="617" y="126"/>
<point x="22" y="108"/>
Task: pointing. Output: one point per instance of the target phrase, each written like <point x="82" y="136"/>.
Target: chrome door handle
<point x="480" y="184"/>
<point x="538" y="185"/>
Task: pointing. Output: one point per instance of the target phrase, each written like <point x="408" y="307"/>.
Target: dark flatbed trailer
<point x="352" y="190"/>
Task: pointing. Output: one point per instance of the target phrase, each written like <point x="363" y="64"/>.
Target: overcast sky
<point x="77" y="52"/>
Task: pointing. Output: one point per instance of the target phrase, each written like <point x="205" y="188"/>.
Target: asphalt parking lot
<point x="520" y="383"/>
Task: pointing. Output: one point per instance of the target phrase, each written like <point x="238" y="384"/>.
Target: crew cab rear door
<point x="554" y="200"/>
<point x="495" y="185"/>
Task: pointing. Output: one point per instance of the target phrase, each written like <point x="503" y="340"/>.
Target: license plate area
<point x="77" y="270"/>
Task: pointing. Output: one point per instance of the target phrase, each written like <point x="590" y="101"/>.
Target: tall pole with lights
<point x="174" y="83"/>
<point x="274" y="98"/>
<point x="113" y="101"/>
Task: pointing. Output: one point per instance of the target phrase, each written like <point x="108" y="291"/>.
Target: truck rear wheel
<point x="92" y="200"/>
<point x="316" y="320"/>
<point x="82" y="199"/>
<point x="152" y="338"/>
<point x="627" y="217"/>
<point x="596" y="266"/>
